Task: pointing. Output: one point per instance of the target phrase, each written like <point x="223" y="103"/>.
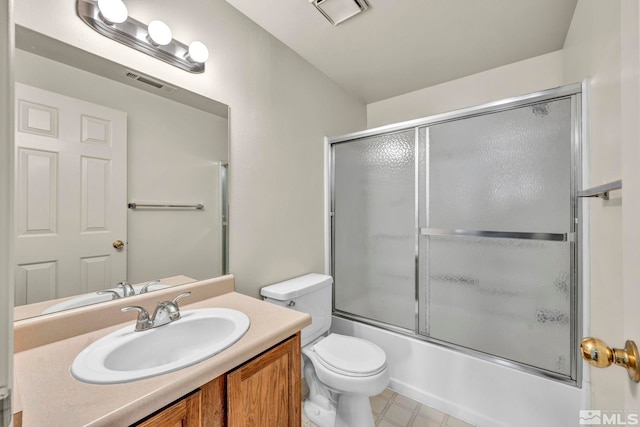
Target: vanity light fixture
<point x="337" y="11"/>
<point x="111" y="19"/>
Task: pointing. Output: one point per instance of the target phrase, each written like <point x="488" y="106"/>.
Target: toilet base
<point x="320" y="415"/>
<point x="354" y="410"/>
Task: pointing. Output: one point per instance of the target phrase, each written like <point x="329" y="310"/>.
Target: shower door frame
<point x="576" y="93"/>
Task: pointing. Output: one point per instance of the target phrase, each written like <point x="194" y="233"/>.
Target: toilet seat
<point x="350" y="356"/>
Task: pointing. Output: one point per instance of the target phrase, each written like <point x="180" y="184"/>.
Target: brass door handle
<point x="597" y="353"/>
<point x="118" y="244"/>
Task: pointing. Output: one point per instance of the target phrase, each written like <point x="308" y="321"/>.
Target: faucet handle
<point x="142" y="312"/>
<point x="144" y="322"/>
<point x="114" y="294"/>
<point x="145" y="288"/>
<point x="179" y="297"/>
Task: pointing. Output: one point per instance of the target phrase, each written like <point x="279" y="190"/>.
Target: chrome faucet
<point x="127" y="289"/>
<point x="168" y="311"/>
<point x="165" y="312"/>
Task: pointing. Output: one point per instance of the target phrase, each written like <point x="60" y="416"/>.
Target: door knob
<point x="118" y="244"/>
<point x="597" y="353"/>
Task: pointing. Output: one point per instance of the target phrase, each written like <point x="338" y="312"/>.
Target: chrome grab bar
<point x="554" y="237"/>
<point x="602" y="190"/>
<point x="169" y="205"/>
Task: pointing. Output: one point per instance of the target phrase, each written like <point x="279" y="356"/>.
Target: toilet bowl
<point x="350" y="369"/>
<point x="342" y="372"/>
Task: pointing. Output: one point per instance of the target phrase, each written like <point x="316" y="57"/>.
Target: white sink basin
<point x="94" y="298"/>
<point x="126" y="355"/>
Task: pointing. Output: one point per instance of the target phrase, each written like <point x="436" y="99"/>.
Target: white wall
<point x="173" y="154"/>
<point x="281" y="108"/>
<point x="6" y="148"/>
<point x="594" y="47"/>
<point x="519" y="78"/>
<point x="630" y="135"/>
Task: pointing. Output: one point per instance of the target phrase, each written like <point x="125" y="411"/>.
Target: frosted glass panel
<point x="506" y="297"/>
<point x="505" y="171"/>
<point x="374" y="228"/>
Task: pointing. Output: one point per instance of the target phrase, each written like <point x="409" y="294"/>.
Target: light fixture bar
<point x="134" y="34"/>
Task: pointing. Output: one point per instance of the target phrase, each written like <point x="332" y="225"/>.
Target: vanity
<point x="255" y="381"/>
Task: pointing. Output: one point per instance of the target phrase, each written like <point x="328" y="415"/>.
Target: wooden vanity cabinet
<point x="263" y="392"/>
<point x="204" y="407"/>
<point x="183" y="413"/>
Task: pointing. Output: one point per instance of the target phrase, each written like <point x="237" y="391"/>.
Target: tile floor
<point x="391" y="409"/>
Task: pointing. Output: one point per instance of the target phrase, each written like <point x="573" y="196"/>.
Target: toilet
<point x="341" y="371"/>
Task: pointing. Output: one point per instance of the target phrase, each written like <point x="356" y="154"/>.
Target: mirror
<point x="160" y="215"/>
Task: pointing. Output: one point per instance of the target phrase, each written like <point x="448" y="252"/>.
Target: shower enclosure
<point x="462" y="229"/>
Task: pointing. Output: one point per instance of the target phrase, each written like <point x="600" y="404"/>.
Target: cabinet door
<point x="205" y="407"/>
<point x="183" y="413"/>
<point x="266" y="390"/>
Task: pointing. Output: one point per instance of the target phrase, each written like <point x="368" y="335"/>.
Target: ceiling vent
<point x="337" y="11"/>
<point x="149" y="81"/>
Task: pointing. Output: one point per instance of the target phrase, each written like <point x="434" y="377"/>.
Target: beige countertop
<point x="50" y="396"/>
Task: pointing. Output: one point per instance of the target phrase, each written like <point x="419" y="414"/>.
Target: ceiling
<point x="398" y="46"/>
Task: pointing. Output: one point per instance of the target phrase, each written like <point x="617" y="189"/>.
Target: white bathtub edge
<point x="482" y="393"/>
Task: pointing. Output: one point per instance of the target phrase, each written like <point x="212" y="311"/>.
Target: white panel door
<point x="70" y="195"/>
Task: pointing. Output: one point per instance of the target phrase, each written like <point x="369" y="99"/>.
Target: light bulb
<point x="198" y="52"/>
<point x="113" y="11"/>
<point x="159" y="33"/>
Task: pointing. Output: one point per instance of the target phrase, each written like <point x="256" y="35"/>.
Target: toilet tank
<point x="310" y="294"/>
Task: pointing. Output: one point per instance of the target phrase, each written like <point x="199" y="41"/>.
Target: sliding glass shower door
<point x="374" y="238"/>
<point x="495" y="213"/>
<point x="462" y="230"/>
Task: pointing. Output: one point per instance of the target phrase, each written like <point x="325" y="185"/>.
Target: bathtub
<point x="480" y="392"/>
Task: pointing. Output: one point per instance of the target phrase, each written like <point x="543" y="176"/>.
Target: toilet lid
<point x="350" y="356"/>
